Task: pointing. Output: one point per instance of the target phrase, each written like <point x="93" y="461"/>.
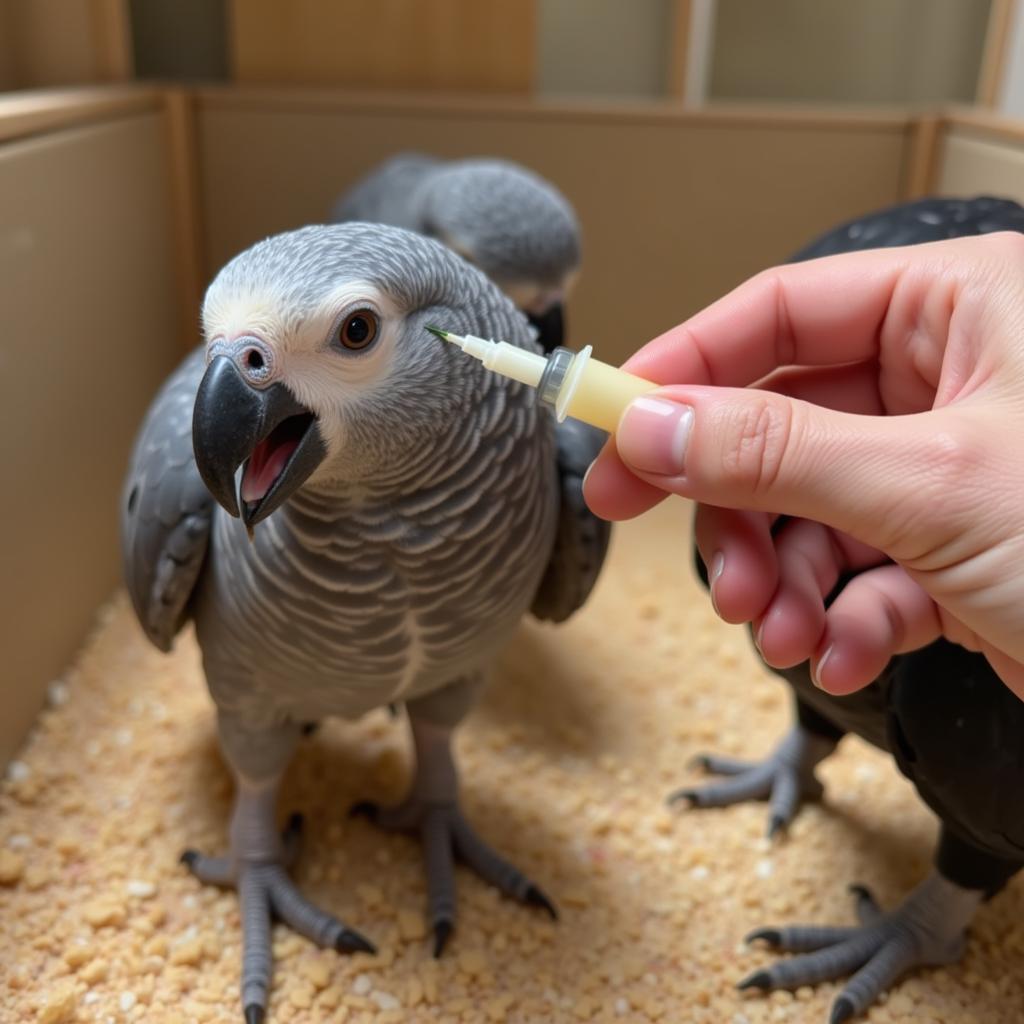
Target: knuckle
<point x="755" y="444"/>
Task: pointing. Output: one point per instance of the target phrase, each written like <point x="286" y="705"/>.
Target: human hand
<point x="888" y="420"/>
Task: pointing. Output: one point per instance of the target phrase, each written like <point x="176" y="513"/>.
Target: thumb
<point x="874" y="477"/>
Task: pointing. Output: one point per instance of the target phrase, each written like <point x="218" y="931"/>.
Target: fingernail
<point x="822" y="662"/>
<point x="717" y="568"/>
<point x="652" y="435"/>
<point x="759" y="637"/>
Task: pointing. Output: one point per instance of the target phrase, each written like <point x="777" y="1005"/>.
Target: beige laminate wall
<point x="851" y="51"/>
<point x="676" y="208"/>
<point x="90" y="326"/>
<point x="974" y="160"/>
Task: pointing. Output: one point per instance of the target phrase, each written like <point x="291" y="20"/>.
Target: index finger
<point x="825" y="312"/>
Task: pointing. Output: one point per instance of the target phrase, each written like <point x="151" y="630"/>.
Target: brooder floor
<point x="565" y="768"/>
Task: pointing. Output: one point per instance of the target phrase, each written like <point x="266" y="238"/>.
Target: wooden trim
<point x="186" y="209"/>
<point x="112" y="36"/>
<point x="24" y="114"/>
<point x="923" y="152"/>
<point x="976" y="121"/>
<point x="681" y="16"/>
<point x="993" y="61"/>
<point x="276" y="98"/>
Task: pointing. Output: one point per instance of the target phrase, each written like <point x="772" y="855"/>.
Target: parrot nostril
<point x="255" y="363"/>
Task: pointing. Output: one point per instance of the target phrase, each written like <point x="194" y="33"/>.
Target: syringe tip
<point x="443" y="335"/>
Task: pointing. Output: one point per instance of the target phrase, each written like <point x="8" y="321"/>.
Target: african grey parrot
<point x="401" y="509"/>
<point x="950" y="724"/>
<point x="511" y="223"/>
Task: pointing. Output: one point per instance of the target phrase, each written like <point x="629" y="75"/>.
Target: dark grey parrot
<point x="352" y="514"/>
<point x="950" y="724"/>
<point x="511" y="223"/>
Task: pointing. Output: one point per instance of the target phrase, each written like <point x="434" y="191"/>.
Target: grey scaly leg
<point x="785" y="778"/>
<point x="256" y="866"/>
<point x="927" y="929"/>
<point x="431" y="808"/>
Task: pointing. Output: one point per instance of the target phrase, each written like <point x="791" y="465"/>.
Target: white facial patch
<point x="231" y="314"/>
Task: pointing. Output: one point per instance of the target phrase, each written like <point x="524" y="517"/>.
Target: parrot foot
<point x="265" y="890"/>
<point x="785" y="778"/>
<point x="445" y="834"/>
<point x="928" y="929"/>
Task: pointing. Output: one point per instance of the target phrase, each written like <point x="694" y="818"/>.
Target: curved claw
<point x="759" y="979"/>
<point x="772" y="936"/>
<point x="189" y="857"/>
<point x="364" y="809"/>
<point x="350" y="941"/>
<point x="442" y="932"/>
<point x="842" y="1011"/>
<point x="680" y="795"/>
<point x="296" y="823"/>
<point x="536" y="897"/>
<point x="777" y="827"/>
<point x="254" y="1014"/>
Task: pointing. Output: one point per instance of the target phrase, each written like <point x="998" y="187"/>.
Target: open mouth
<point x="271" y="457"/>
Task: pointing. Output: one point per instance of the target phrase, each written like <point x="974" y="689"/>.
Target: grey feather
<point x="581" y="540"/>
<point x="507" y="220"/>
<point x="166" y="511"/>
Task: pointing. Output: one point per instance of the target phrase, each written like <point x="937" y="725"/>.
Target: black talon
<point x="393" y="709"/>
<point x="536" y="898"/>
<point x="188" y="858"/>
<point x="254" y="1014"/>
<point x="842" y="1011"/>
<point x="364" y="809"/>
<point x="699" y="762"/>
<point x="295" y="824"/>
<point x="860" y="891"/>
<point x="759" y="979"/>
<point x="689" y="795"/>
<point x="770" y="935"/>
<point x="776" y="827"/>
<point x="350" y="941"/>
<point x="442" y="932"/>
<point x="308" y="728"/>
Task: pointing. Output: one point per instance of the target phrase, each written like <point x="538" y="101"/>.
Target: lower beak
<point x="269" y="430"/>
<point x="550" y="327"/>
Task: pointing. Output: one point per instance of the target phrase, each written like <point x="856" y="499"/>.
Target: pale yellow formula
<point x="575" y="384"/>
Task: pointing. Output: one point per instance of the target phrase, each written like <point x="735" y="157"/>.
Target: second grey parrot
<point x="507" y="220"/>
<point x="401" y="510"/>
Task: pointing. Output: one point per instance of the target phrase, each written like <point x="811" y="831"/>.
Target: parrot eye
<point x="358" y="330"/>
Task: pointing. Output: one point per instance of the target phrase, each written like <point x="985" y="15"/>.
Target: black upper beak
<point x="550" y="327"/>
<point x="231" y="419"/>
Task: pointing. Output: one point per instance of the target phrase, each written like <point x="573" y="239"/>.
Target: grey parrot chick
<point x="505" y="219"/>
<point x="401" y="509"/>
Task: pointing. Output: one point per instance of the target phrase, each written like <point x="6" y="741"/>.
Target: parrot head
<point x="319" y="367"/>
<point x="516" y="227"/>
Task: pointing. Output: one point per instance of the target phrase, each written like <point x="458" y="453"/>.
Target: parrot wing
<point x="166" y="510"/>
<point x="581" y="539"/>
<point x="386" y="194"/>
<point x="926" y="220"/>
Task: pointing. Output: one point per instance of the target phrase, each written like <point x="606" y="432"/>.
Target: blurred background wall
<point x="700" y="141"/>
<point x="815" y="51"/>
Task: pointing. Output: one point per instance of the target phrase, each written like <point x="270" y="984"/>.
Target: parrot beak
<point x="277" y="438"/>
<point x="550" y="326"/>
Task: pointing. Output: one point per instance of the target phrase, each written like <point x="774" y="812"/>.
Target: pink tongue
<point x="264" y="467"/>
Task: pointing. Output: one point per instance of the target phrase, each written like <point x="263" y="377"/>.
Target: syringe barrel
<point x="602" y="394"/>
